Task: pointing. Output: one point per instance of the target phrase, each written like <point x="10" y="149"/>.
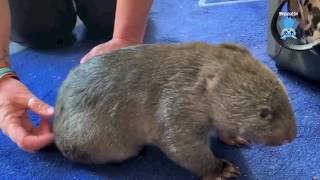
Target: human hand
<point x="113" y="44"/>
<point x="15" y="100"/>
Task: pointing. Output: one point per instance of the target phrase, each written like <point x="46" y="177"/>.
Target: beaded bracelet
<point x="6" y="72"/>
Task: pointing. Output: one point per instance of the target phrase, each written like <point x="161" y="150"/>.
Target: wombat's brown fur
<point x="173" y="97"/>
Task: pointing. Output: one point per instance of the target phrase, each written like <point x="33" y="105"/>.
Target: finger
<point x="6" y="126"/>
<point x="83" y="60"/>
<point x="86" y="57"/>
<point x="44" y="128"/>
<point x="39" y="107"/>
<point x="94" y="52"/>
<point x="26" y="140"/>
<point x="16" y="132"/>
<point x="26" y="122"/>
<point x="33" y="143"/>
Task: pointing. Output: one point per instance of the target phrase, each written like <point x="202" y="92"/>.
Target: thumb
<point x="85" y="58"/>
<point x="39" y="107"/>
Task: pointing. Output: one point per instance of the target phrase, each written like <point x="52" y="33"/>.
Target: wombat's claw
<point x="236" y="141"/>
<point x="230" y="171"/>
<point x="241" y="141"/>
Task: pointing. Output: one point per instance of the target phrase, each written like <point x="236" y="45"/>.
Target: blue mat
<point x="174" y="21"/>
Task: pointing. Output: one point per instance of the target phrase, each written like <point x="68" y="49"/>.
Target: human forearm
<point x="131" y="19"/>
<point x="4" y="33"/>
<point x="129" y="28"/>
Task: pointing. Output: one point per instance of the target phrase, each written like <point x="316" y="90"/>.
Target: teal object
<point x="4" y="71"/>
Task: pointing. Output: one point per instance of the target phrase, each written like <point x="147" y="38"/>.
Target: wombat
<point x="173" y="97"/>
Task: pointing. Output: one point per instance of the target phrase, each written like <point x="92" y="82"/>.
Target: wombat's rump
<point x="173" y="97"/>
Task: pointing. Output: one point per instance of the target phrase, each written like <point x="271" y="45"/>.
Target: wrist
<point x="6" y="72"/>
<point x="3" y="65"/>
<point x="4" y="80"/>
<point x="4" y="59"/>
<point x="131" y="40"/>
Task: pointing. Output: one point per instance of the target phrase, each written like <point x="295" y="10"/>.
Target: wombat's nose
<point x="292" y="133"/>
<point x="290" y="137"/>
<point x="285" y="142"/>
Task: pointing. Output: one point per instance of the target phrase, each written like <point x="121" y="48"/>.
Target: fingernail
<point x="30" y="101"/>
<point x="50" y="110"/>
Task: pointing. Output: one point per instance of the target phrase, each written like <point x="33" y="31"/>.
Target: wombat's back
<point x="111" y="99"/>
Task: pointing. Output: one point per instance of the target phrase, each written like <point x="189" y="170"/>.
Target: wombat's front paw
<point x="234" y="140"/>
<point x="228" y="171"/>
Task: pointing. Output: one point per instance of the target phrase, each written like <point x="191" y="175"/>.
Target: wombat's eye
<point x="265" y="113"/>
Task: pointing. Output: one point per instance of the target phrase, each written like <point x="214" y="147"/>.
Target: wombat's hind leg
<point x="91" y="154"/>
<point x="76" y="154"/>
<point x="229" y="171"/>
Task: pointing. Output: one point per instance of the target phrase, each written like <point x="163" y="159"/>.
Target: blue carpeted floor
<point x="174" y="21"/>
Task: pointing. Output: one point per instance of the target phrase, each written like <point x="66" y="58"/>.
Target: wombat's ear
<point x="236" y="48"/>
<point x="206" y="84"/>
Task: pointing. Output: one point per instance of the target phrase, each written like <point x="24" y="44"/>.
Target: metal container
<point x="303" y="60"/>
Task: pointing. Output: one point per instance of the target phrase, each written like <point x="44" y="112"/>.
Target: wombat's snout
<point x="285" y="138"/>
<point x="289" y="139"/>
<point x="291" y="135"/>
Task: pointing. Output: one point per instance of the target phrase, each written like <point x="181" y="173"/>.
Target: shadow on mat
<point x="151" y="163"/>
